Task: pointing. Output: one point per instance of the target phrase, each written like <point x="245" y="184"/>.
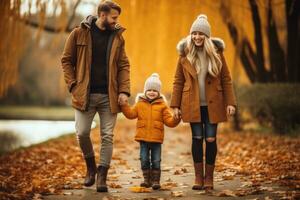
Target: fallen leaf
<point x="184" y="170"/>
<point x="138" y="189"/>
<point x="166" y="169"/>
<point x="201" y="192"/>
<point x="129" y="171"/>
<point x="136" y="177"/>
<point x="177" y="194"/>
<point x="177" y="172"/>
<point x="68" y="193"/>
<point x="114" y="185"/>
<point x="226" y="193"/>
<point x="168" y="186"/>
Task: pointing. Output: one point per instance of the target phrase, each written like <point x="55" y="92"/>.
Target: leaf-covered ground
<point x="248" y="165"/>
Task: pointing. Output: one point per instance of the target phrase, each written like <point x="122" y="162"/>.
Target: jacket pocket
<point x="158" y="125"/>
<point x="82" y="53"/>
<point x="219" y="88"/>
<point x="77" y="91"/>
<point x="140" y="124"/>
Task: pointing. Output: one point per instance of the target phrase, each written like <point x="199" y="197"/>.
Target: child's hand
<point x="177" y="113"/>
<point x="230" y="110"/>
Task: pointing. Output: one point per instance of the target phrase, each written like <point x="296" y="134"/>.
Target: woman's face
<point x="152" y="94"/>
<point x="198" y="38"/>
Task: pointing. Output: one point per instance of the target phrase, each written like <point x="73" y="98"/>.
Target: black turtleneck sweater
<point x="99" y="68"/>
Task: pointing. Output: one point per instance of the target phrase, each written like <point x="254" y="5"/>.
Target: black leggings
<point x="210" y="151"/>
<point x="201" y="130"/>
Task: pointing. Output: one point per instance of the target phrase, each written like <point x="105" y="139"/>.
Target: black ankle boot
<point x="90" y="172"/>
<point x="101" y="179"/>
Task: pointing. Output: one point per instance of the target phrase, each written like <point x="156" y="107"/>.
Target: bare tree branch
<point x="52" y="29"/>
<point x="72" y="17"/>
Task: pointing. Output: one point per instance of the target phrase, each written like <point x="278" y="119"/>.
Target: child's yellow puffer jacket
<point x="151" y="118"/>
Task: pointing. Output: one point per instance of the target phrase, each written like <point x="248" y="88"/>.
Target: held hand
<point x="177" y="113"/>
<point x="230" y="110"/>
<point x="72" y="88"/>
<point x="123" y="99"/>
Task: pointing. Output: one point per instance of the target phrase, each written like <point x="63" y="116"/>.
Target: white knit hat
<point x="153" y="83"/>
<point x="201" y="24"/>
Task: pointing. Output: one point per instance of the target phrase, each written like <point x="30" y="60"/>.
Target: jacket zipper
<point x="149" y="127"/>
<point x="108" y="54"/>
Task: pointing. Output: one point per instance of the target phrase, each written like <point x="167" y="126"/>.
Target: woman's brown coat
<point x="219" y="90"/>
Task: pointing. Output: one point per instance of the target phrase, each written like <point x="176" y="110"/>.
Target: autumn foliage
<point x="260" y="160"/>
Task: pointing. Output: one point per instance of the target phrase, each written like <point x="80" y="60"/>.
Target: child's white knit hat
<point x="153" y="83"/>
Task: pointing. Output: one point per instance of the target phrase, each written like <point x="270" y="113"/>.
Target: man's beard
<point x="109" y="26"/>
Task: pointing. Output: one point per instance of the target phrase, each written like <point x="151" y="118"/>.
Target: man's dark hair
<point x="106" y="6"/>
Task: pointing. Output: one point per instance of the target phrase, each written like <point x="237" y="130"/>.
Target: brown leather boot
<point x="101" y="179"/>
<point x="155" y="175"/>
<point x="198" y="176"/>
<point x="209" y="177"/>
<point x="91" y="171"/>
<point x="147" y="178"/>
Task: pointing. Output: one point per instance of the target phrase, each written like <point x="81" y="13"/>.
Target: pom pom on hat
<point x="202" y="16"/>
<point x="155" y="75"/>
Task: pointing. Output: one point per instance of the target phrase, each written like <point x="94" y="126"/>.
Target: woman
<point x="203" y="95"/>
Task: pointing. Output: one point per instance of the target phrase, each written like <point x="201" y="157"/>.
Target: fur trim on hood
<point x="182" y="44"/>
<point x="142" y="96"/>
<point x="87" y="22"/>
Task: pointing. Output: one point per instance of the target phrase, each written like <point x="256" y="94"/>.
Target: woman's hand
<point x="230" y="110"/>
<point x="177" y="113"/>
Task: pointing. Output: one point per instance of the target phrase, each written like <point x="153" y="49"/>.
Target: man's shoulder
<point x="120" y="31"/>
<point x="78" y="33"/>
<point x="79" y="29"/>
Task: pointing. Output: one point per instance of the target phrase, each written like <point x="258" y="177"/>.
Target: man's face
<point x="111" y="19"/>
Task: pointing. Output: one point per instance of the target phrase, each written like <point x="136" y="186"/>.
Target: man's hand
<point x="123" y="99"/>
<point x="177" y="113"/>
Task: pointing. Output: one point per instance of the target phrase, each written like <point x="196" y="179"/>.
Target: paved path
<point x="177" y="173"/>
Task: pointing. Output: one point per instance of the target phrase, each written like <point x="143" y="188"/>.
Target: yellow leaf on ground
<point x="177" y="194"/>
<point x="138" y="189"/>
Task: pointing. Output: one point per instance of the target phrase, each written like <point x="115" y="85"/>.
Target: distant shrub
<point x="277" y="104"/>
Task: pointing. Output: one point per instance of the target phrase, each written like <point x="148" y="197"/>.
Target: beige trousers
<point x="99" y="103"/>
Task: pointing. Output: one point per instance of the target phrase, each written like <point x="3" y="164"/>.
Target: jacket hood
<point x="141" y="96"/>
<point x="87" y="23"/>
<point x="182" y="44"/>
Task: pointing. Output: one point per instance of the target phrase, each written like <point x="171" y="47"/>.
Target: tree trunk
<point x="276" y="53"/>
<point x="293" y="39"/>
<point x="262" y="74"/>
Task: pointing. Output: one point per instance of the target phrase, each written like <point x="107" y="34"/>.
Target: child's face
<point x="151" y="94"/>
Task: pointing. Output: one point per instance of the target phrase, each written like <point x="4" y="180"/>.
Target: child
<point x="152" y="112"/>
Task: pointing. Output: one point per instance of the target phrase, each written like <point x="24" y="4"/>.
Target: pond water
<point x="23" y="133"/>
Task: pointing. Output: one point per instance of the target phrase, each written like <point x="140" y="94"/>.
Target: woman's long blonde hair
<point x="214" y="60"/>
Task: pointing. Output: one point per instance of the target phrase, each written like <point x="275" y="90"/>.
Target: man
<point x="96" y="71"/>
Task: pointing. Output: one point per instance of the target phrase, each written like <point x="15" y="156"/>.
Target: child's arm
<point x="169" y="119"/>
<point x="130" y="113"/>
